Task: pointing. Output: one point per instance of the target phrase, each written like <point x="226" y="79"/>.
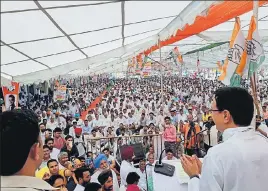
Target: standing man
<point x="58" y="139"/>
<point x="169" y="135"/>
<point x="240" y="162"/>
<point x="18" y="168"/>
<point x="191" y="137"/>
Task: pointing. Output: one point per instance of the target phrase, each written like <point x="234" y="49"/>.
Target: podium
<point x="178" y="182"/>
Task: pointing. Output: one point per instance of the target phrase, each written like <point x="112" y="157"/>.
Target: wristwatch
<point x="195" y="176"/>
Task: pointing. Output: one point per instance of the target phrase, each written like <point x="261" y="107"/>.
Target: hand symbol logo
<point x="235" y="53"/>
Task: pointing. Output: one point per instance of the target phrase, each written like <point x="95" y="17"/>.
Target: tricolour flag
<point x="254" y="48"/>
<point x="177" y="57"/>
<point x="235" y="52"/>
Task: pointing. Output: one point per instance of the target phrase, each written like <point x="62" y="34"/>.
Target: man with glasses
<point x="18" y="168"/>
<point x="240" y="161"/>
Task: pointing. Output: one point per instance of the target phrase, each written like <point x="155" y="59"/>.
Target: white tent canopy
<point x="45" y="39"/>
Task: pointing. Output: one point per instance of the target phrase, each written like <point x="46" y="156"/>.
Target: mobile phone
<point x="70" y="144"/>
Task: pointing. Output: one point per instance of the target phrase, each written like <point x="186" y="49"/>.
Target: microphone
<point x="164" y="168"/>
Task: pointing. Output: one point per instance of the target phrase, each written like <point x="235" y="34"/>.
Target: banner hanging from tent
<point x="147" y="69"/>
<point x="11" y="95"/>
<point x="60" y="93"/>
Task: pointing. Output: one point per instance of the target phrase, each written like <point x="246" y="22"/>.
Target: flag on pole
<point x="144" y="60"/>
<point x="236" y="49"/>
<point x="176" y="56"/>
<point x="254" y="49"/>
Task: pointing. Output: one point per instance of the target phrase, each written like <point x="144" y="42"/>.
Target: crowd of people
<point x="76" y="154"/>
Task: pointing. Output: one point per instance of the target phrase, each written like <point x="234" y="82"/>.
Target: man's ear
<point x="34" y="151"/>
<point x="226" y="116"/>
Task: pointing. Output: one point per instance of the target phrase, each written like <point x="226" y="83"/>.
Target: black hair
<point x="169" y="151"/>
<point x="68" y="137"/>
<point x="49" y="130"/>
<point x="57" y="129"/>
<point x="167" y="118"/>
<point x="105" y="149"/>
<point x="93" y="130"/>
<point x="132" y="177"/>
<point x="81" y="158"/>
<point x="258" y="117"/>
<point x="143" y="160"/>
<point x="50" y="161"/>
<point x="92" y="186"/>
<point x="41" y="124"/>
<point x="49" y="139"/>
<point x="79" y="172"/>
<point x="238" y="102"/>
<point x="104" y="175"/>
<point x="53" y="178"/>
<point x="46" y="147"/>
<point x="12" y="97"/>
<point x="16" y="125"/>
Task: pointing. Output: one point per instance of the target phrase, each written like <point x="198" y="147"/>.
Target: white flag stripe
<point x="234" y="56"/>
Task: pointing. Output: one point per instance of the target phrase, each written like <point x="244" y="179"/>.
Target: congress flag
<point x="254" y="48"/>
<point x="236" y="49"/>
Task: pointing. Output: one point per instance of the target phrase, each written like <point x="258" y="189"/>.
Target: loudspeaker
<point x="138" y="151"/>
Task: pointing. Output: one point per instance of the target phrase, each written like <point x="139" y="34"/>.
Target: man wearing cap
<point x="101" y="164"/>
<point x="127" y="156"/>
<point x="79" y="141"/>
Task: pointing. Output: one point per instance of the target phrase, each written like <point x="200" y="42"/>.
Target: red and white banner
<point x="11" y="96"/>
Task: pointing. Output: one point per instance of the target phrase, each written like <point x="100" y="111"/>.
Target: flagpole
<point x="161" y="69"/>
<point x="253" y="78"/>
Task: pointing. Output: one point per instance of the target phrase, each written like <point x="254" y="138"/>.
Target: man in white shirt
<point x="181" y="116"/>
<point x="261" y="126"/>
<point x="169" y="155"/>
<point x="240" y="162"/>
<point x="52" y="124"/>
<point x="18" y="168"/>
<point x="53" y="151"/>
<point x="141" y="172"/>
<point x="71" y="130"/>
<point x="126" y="165"/>
<point x="211" y="134"/>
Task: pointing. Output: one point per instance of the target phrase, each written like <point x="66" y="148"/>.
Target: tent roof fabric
<point x="46" y="39"/>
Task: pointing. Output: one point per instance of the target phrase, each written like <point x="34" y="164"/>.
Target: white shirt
<point x="239" y="163"/>
<point x="264" y="128"/>
<point x="126" y="168"/>
<point x="94" y="178"/>
<point x="213" y="136"/>
<point x="80" y="145"/>
<point x="51" y="126"/>
<point x="79" y="188"/>
<point x="23" y="183"/>
<point x="173" y="158"/>
<point x="54" y="153"/>
<point x="71" y="131"/>
<point x="142" y="182"/>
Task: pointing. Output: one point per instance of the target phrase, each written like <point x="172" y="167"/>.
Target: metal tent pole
<point x="161" y="71"/>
